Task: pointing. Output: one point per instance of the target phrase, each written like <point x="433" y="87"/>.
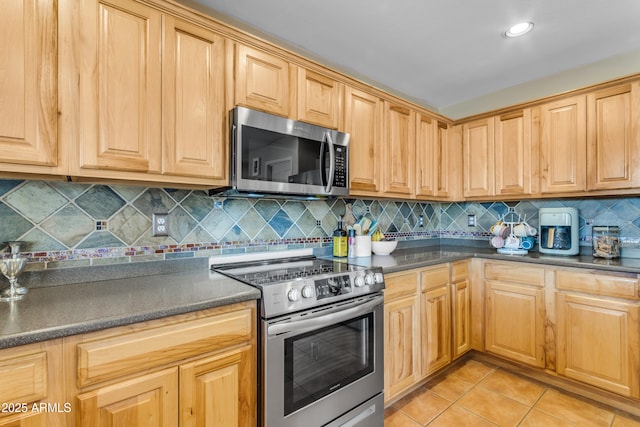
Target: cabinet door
<point x="399" y="151"/>
<point x="613" y="138"/>
<point x="401" y="345"/>
<point x="477" y="151"/>
<point x="363" y="122"/>
<point x="435" y="328"/>
<point x="149" y="400"/>
<point x="28" y="83"/>
<point x="513" y="154"/>
<point x="318" y="99"/>
<point x="428" y="156"/>
<point x="120" y="86"/>
<point x="598" y="342"/>
<point x="563" y="146"/>
<point x="24" y="420"/>
<point x="262" y="81"/>
<point x="515" y="322"/>
<point x="219" y="390"/>
<point x="193" y="104"/>
<point x="461" y="308"/>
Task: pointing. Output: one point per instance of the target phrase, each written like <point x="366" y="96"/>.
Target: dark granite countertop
<point x="424" y="256"/>
<point x="58" y="311"/>
<point x="131" y="294"/>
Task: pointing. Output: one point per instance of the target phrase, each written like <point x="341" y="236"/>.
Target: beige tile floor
<point x="478" y="395"/>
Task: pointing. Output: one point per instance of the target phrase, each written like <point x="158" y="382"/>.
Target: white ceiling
<point x="450" y="55"/>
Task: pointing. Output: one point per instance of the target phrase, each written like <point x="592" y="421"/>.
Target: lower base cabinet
<point x="191" y="370"/>
<point x="515" y="312"/>
<point x="420" y="308"/>
<point x="598" y="319"/>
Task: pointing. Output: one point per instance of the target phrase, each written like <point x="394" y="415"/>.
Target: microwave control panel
<point x="340" y="177"/>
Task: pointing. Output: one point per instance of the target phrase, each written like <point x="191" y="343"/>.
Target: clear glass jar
<point x="606" y="241"/>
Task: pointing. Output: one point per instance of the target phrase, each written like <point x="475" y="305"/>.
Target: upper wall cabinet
<point x="28" y="86"/>
<point x="193" y="104"/>
<point x="318" y="99"/>
<point x="120" y="86"/>
<point x="563" y="145"/>
<point x="498" y="157"/>
<point x="262" y="81"/>
<point x="477" y="151"/>
<point x="514" y="156"/>
<point x="435" y="170"/>
<point x="613" y="138"/>
<point x="363" y="121"/>
<point x="151" y="104"/>
<point x="399" y="150"/>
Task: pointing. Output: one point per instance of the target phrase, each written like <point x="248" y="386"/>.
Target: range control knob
<point x="369" y="279"/>
<point x="359" y="281"/>
<point x="307" y="292"/>
<point x="293" y="295"/>
<point x="379" y="278"/>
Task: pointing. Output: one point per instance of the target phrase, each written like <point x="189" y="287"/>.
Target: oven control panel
<point x="309" y="292"/>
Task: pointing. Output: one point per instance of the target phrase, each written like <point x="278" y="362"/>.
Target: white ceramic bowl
<point x="383" y="247"/>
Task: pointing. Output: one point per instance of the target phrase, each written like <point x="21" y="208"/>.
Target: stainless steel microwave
<point x="275" y="155"/>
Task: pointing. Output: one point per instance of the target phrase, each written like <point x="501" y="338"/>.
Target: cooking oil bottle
<point x="340" y="247"/>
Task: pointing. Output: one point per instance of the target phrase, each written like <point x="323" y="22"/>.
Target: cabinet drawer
<point x="400" y="284"/>
<point x="24" y="378"/>
<point x="435" y="277"/>
<point x="459" y="271"/>
<point x="619" y="285"/>
<point x="123" y="354"/>
<point x="515" y="273"/>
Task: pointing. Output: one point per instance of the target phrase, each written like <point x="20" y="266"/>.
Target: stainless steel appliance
<point x="559" y="231"/>
<point x="321" y="333"/>
<point x="275" y="155"/>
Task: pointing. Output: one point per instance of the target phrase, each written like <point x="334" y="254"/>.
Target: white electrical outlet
<point x="160" y="225"/>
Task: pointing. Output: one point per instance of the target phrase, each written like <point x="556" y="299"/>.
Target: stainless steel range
<point x="321" y="336"/>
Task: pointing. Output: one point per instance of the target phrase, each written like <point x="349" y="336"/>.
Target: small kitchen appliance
<point x="321" y="340"/>
<point x="558" y="231"/>
<point x="279" y="156"/>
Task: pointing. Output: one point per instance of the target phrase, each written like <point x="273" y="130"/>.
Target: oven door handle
<point x="325" y="320"/>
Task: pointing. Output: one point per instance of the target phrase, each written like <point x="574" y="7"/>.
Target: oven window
<point x="322" y="361"/>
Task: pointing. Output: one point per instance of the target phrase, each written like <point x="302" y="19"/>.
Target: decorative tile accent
<point x="66" y="223"/>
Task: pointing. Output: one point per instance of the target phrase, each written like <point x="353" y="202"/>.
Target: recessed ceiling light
<point x="519" y="29"/>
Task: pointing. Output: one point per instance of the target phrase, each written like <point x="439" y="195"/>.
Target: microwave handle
<point x="332" y="162"/>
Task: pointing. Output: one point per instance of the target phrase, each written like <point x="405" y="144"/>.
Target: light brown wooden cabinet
<point x="598" y="322"/>
<point x="436" y="161"/>
<point x="435" y="318"/>
<point x="399" y="151"/>
<point x="31" y="384"/>
<point x="28" y="87"/>
<point x="420" y="308"/>
<point x="319" y="99"/>
<point x="563" y="146"/>
<point x="187" y="370"/>
<point x="153" y="112"/>
<point x="363" y="121"/>
<point x="478" y="158"/>
<point x="613" y="138"/>
<point x="498" y="157"/>
<point x="262" y="81"/>
<point x="515" y="312"/>
<point x="401" y="333"/>
<point x="460" y="309"/>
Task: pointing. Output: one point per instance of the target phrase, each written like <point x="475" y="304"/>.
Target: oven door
<point x="319" y="365"/>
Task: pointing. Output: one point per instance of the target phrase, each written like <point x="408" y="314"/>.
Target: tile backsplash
<point x="69" y="224"/>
